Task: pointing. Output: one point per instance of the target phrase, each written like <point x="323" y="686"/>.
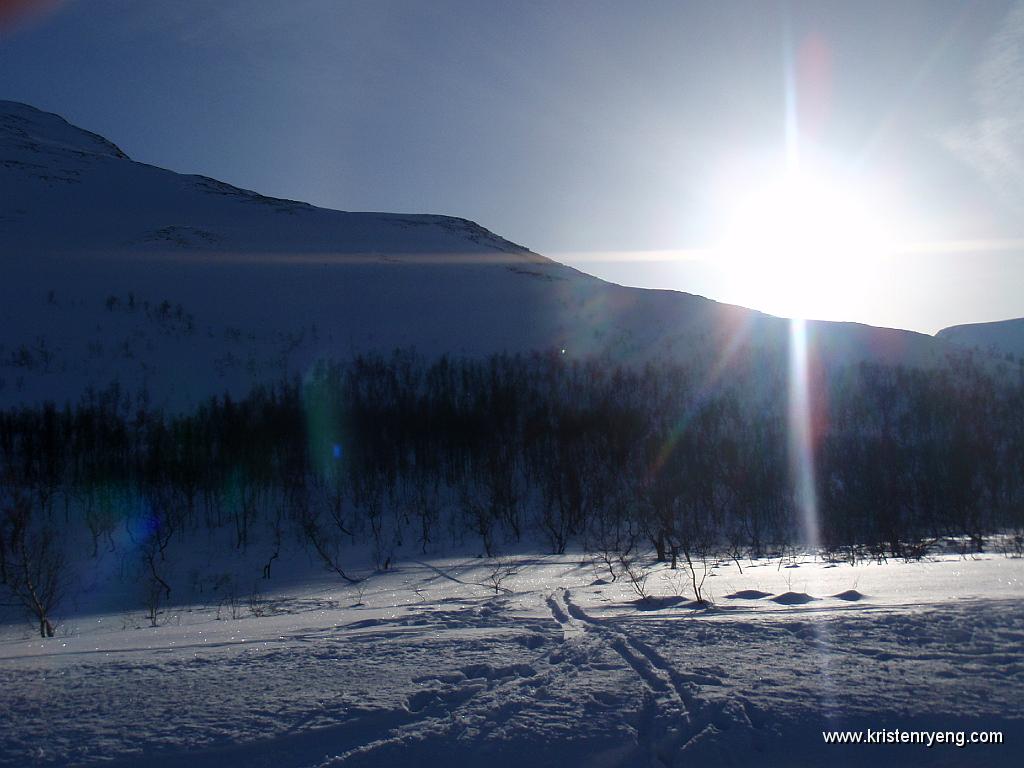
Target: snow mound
<point x="748" y="594"/>
<point x="650" y="603"/>
<point x="851" y="595"/>
<point x="793" y="598"/>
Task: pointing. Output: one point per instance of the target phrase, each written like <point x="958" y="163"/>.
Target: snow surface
<point x="1005" y="336"/>
<point x="93" y="244"/>
<point x="426" y="665"/>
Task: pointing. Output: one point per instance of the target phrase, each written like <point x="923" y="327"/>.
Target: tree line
<point x="403" y="451"/>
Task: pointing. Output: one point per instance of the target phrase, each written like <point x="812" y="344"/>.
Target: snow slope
<point x="187" y="286"/>
<point x="1003" y="337"/>
<point x="425" y="665"/>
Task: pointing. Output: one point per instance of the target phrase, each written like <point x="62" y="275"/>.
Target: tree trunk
<point x="659" y="547"/>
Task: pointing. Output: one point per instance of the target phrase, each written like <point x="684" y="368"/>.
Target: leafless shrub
<point x="1013" y="545"/>
<point x="34" y="565"/>
<point x="917" y="550"/>
<point x="360" y="590"/>
<point x="229" y="604"/>
<point x="676" y="580"/>
<point x="636" y="573"/>
<point x="694" y="556"/>
<point x="735" y="547"/>
<point x="501" y="569"/>
<point x="152" y="594"/>
<point x="324" y="542"/>
<point x="259" y="605"/>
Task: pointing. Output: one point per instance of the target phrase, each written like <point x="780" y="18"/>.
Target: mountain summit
<point x="39" y="134"/>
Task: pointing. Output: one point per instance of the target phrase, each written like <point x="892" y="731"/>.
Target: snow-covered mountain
<point x="1003" y="337"/>
<point x="116" y="270"/>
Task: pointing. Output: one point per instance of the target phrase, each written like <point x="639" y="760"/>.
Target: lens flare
<point x="801" y="436"/>
<point x="16" y="12"/>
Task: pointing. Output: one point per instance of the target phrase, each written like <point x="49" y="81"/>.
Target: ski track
<point x="481" y="693"/>
<point x="484" y="693"/>
<point x="675" y="716"/>
<point x="558" y="673"/>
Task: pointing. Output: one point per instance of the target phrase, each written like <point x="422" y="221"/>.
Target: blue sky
<point x="613" y="136"/>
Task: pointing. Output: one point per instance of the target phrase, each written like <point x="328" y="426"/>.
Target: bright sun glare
<point x="803" y="245"/>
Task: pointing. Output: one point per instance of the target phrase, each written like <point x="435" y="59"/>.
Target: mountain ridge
<point x="186" y="286"/>
<point x="999" y="336"/>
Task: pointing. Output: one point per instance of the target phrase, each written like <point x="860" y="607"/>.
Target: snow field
<point x="426" y="665"/>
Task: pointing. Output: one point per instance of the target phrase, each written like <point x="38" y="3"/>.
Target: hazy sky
<point x="617" y="137"/>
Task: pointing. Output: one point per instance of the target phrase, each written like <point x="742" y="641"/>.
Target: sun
<point x="803" y="244"/>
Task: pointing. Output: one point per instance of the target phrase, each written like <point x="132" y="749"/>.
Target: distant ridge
<point x="1002" y="337"/>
